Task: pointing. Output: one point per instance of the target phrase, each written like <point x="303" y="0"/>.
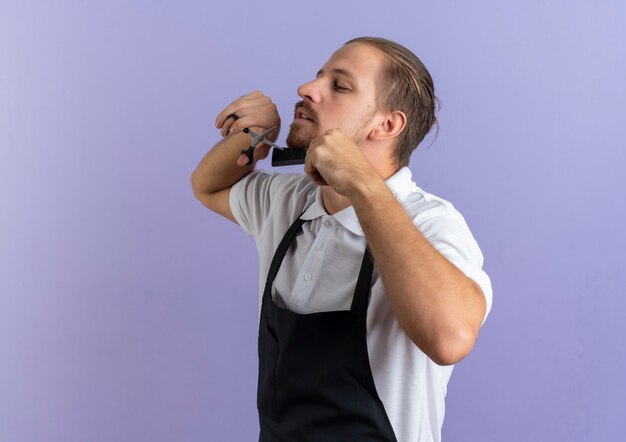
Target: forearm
<point x="218" y="169"/>
<point x="438" y="307"/>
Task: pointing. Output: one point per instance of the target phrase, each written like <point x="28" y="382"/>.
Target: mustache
<point x="306" y="108"/>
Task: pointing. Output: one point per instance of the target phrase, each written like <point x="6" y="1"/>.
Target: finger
<point x="256" y="98"/>
<point x="253" y="94"/>
<point x="264" y="117"/>
<point x="242" y="160"/>
<point x="228" y="125"/>
<point x="240" y="107"/>
<point x="247" y="117"/>
<point x="261" y="151"/>
<point x="238" y="103"/>
<point x="258" y="117"/>
<point x="309" y="168"/>
<point x="233" y="106"/>
<point x="232" y="126"/>
<point x="310" y="161"/>
<point x="223" y="116"/>
<point x="317" y="178"/>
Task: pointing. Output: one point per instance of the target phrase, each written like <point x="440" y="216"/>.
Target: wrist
<point x="367" y="190"/>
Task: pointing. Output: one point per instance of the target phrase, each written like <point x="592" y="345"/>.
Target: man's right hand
<point x="256" y="112"/>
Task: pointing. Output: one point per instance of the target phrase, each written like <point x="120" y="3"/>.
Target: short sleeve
<point x="255" y="196"/>
<point x="445" y="228"/>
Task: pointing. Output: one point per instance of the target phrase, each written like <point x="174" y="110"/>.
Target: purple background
<point x="128" y="311"/>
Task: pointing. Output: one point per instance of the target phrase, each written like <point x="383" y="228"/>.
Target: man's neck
<point x="333" y="202"/>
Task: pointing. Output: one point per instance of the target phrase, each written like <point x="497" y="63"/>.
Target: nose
<point x="310" y="90"/>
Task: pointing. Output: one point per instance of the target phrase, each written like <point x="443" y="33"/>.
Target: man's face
<point x="343" y="96"/>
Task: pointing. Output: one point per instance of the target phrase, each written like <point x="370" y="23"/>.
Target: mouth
<point x="304" y="114"/>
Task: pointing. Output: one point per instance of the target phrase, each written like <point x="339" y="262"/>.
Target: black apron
<point x="315" y="380"/>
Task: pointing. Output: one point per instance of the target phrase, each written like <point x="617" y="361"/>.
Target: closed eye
<point x="339" y="88"/>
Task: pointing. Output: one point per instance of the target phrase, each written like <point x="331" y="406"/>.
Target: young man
<point x="370" y="288"/>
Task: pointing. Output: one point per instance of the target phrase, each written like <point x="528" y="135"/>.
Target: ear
<point x="390" y="126"/>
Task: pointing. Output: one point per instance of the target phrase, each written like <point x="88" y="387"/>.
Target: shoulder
<point x="443" y="226"/>
<point x="424" y="207"/>
<point x="261" y="197"/>
<point x="273" y="182"/>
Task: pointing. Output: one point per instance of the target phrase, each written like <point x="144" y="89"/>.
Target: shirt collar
<point x="399" y="183"/>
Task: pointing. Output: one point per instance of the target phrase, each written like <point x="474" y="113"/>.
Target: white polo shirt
<point x="320" y="270"/>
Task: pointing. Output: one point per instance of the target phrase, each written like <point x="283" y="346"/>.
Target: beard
<point x="300" y="135"/>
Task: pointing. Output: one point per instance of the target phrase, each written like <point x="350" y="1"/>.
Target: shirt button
<point x="308" y="277"/>
<point x="327" y="223"/>
<point x="320" y="247"/>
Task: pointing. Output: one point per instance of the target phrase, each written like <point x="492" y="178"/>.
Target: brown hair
<point x="405" y="85"/>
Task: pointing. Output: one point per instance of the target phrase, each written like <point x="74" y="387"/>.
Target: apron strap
<point x="281" y="251"/>
<point x="360" y="300"/>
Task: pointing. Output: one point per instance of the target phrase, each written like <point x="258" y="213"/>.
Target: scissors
<point x="281" y="156"/>
<point x="256" y="139"/>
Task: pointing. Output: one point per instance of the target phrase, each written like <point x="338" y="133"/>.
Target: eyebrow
<point x="338" y="71"/>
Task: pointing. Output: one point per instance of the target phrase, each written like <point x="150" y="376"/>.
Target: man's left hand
<point x="334" y="160"/>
